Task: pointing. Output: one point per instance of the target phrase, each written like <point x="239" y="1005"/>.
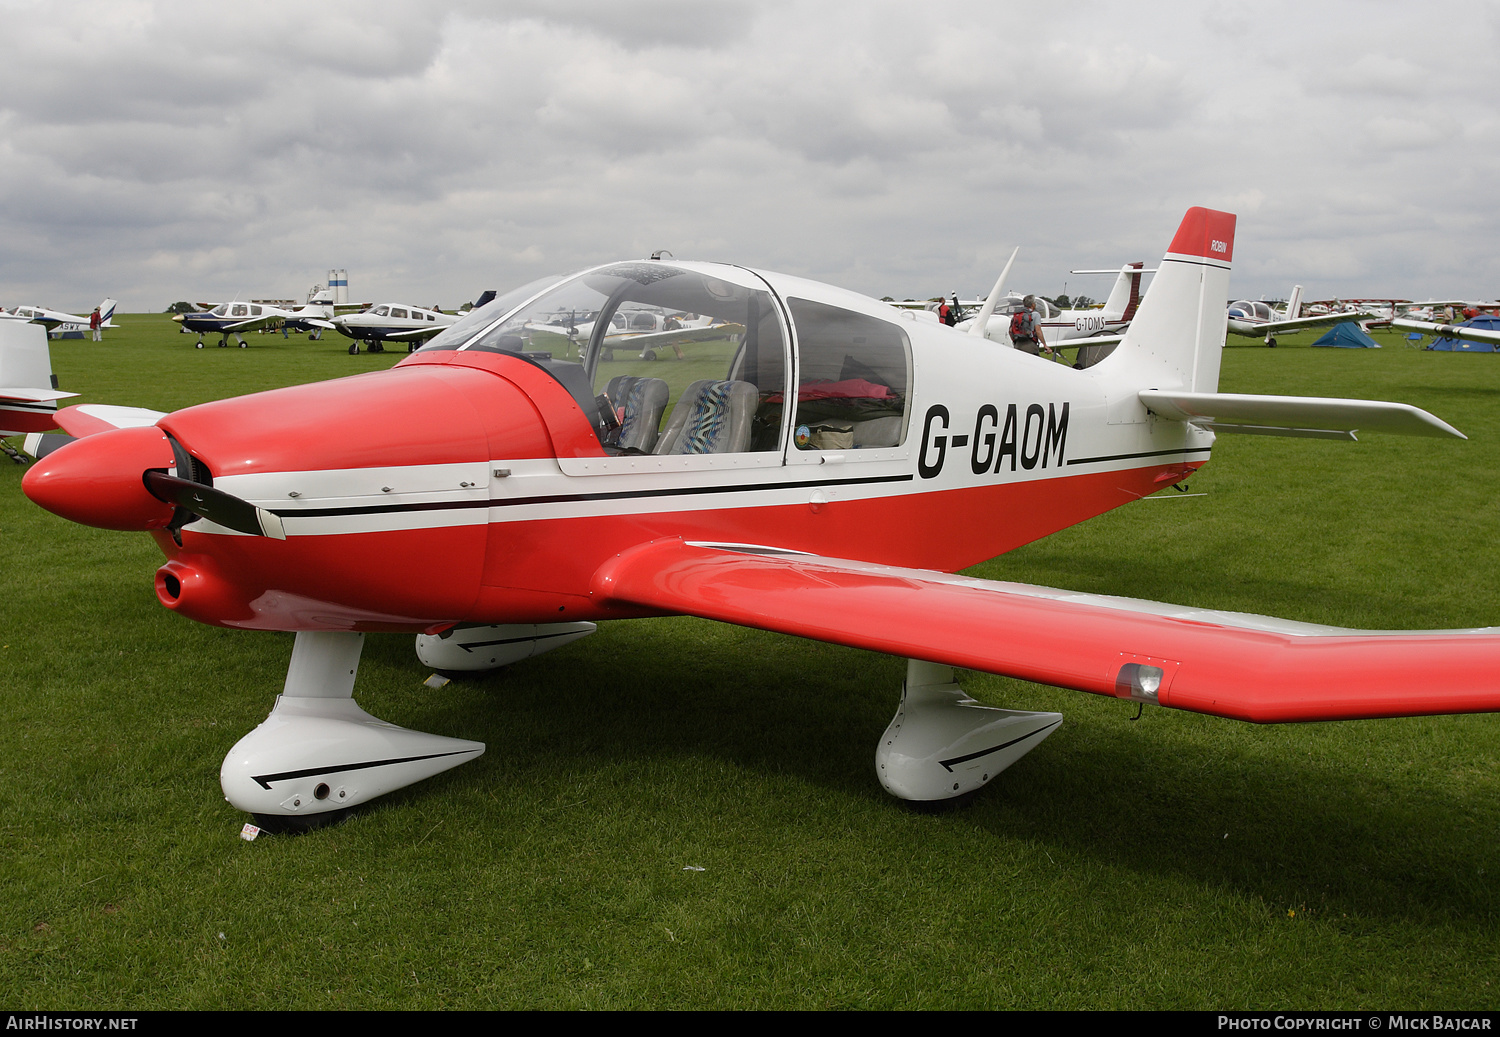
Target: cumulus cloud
<point x="160" y="149"/>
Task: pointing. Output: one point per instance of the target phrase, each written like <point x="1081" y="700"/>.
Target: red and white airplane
<point x="841" y="464"/>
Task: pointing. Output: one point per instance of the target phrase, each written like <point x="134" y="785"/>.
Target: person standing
<point x="1026" y="329"/>
<point x="95" y="322"/>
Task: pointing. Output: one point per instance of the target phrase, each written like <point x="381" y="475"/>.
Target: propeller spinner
<point x="122" y="480"/>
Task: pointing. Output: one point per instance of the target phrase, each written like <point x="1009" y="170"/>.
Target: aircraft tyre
<point x="199" y="344"/>
<point x="277" y="824"/>
<point x="1271" y="342"/>
<point x="649" y="354"/>
<point x="354" y="349"/>
<point x="376" y="347"/>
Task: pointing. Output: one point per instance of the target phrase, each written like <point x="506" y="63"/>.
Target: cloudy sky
<point x="169" y="150"/>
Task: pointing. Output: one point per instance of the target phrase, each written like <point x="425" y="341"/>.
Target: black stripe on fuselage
<point x="559" y="498"/>
<point x="1146" y="453"/>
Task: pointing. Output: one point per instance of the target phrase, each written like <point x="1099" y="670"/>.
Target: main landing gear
<point x="224" y="341"/>
<point x="319" y="754"/>
<point x="942" y="744"/>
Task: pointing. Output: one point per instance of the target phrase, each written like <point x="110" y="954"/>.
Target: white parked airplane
<point x="392" y="322"/>
<point x="1102" y="328"/>
<point x="647" y="331"/>
<point x="235" y="318"/>
<point x="57" y="322"/>
<point x="1257" y="319"/>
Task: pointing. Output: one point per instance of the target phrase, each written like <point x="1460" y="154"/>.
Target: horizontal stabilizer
<point x="1227" y="664"/>
<point x="1294" y="415"/>
<point x="34" y="395"/>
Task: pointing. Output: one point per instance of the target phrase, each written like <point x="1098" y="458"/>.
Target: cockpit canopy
<point x="1246" y="310"/>
<point x="1016" y="303"/>
<point x="687" y="359"/>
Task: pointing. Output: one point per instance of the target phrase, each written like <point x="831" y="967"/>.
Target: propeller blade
<point x="226" y="509"/>
<point x="40" y="444"/>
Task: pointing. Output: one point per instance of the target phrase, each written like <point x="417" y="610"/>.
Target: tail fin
<point x="1126" y="294"/>
<point x="106" y="311"/>
<point x="1177" y="335"/>
<point x="28" y="388"/>
<point x="1294" y="304"/>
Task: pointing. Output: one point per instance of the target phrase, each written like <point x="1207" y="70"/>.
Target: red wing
<point x="1224" y="663"/>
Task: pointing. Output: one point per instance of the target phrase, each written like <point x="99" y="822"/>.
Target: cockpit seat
<point x="639" y="402"/>
<point x="878" y="432"/>
<point x="711" y="417"/>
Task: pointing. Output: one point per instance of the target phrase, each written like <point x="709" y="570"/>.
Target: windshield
<point x="680" y="361"/>
<point x="465" y="328"/>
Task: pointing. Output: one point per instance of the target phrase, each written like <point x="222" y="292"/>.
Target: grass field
<point x="1175" y="862"/>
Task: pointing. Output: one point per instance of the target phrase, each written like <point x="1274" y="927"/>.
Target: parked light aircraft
<point x="314" y="316"/>
<point x="646" y="331"/>
<point x="825" y="482"/>
<point x="392" y="322"/>
<point x="235" y="318"/>
<point x="1257" y="319"/>
<point x="57" y="322"/>
<point x="1102" y="327"/>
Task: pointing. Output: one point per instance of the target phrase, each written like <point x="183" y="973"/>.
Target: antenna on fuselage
<point x="988" y="309"/>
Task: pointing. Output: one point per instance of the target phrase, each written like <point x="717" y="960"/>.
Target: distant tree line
<point x="1078" y="302"/>
<point x="181" y="307"/>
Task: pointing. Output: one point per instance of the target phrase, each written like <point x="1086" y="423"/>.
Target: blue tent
<point x="1347" y="335"/>
<point x="1484" y="322"/>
